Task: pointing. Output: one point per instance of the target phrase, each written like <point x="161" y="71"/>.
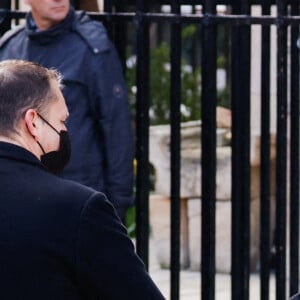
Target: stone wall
<point x="191" y="197"/>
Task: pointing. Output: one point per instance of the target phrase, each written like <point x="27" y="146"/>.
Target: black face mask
<point x="55" y="161"/>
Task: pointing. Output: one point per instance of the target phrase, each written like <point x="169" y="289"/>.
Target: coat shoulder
<point x="10" y="34"/>
<point x="92" y="32"/>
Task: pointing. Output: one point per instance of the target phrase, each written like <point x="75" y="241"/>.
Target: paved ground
<point x="190" y="283"/>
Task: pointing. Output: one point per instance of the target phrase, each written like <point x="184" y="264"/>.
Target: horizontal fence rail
<point x="278" y="212"/>
<point x="234" y="20"/>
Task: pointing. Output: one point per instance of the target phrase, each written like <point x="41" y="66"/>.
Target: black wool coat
<point x="62" y="240"/>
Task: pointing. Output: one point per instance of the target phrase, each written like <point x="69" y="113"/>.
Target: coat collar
<point x="13" y="152"/>
<point x="46" y="36"/>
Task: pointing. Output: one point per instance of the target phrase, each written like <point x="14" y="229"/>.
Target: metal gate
<point x="285" y="22"/>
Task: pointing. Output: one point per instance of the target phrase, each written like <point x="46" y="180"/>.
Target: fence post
<point x="281" y="152"/>
<point x="175" y="150"/>
<point x="294" y="157"/>
<point x="208" y="156"/>
<point x="265" y="155"/>
<point x="240" y="87"/>
<point x="142" y="134"/>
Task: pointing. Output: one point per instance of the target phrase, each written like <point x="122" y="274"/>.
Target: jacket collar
<point x="13" y="152"/>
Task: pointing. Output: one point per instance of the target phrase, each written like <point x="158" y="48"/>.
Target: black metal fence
<point x="286" y="22"/>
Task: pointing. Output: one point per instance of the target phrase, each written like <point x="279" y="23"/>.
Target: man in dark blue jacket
<point x="60" y="240"/>
<point x="99" y="123"/>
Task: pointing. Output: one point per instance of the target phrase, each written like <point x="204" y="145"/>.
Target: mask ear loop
<point x="48" y="123"/>
<point x="41" y="147"/>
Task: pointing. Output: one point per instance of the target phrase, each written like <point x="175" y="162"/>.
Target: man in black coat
<point x="58" y="239"/>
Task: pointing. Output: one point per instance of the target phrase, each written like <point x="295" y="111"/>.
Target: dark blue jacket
<point x="95" y="92"/>
<point x="60" y="240"/>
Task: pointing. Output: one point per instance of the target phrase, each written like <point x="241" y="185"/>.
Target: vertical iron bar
<point x="208" y="157"/>
<point x="75" y="3"/>
<point x="142" y="132"/>
<point x="294" y="158"/>
<point x="108" y="8"/>
<point x="107" y="5"/>
<point x="17" y="7"/>
<point x="120" y="37"/>
<point x="265" y="243"/>
<point x="240" y="155"/>
<point x="281" y="150"/>
<point x="5" y="4"/>
<point x="175" y="151"/>
<point x="6" y="22"/>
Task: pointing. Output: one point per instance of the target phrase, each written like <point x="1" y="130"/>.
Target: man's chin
<point x="59" y="13"/>
<point x="57" y="18"/>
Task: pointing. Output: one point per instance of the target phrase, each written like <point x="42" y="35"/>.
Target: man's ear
<point x="31" y="121"/>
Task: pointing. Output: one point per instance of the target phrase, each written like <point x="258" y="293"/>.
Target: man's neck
<point x="9" y="140"/>
<point x="21" y="143"/>
<point x="41" y="25"/>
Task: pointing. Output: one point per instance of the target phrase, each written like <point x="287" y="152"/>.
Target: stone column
<point x="256" y="80"/>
